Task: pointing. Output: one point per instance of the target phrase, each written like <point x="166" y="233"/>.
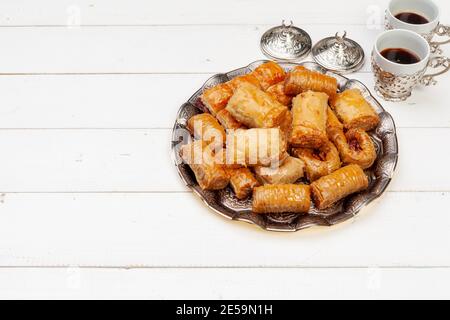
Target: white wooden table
<point x="91" y="205"/>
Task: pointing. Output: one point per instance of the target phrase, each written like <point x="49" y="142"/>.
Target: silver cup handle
<point x="442" y="31"/>
<point x="435" y="63"/>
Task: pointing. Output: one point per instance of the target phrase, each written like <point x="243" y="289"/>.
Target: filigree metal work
<point x="286" y="42"/>
<point x="392" y="87"/>
<point x="339" y="54"/>
<point x="442" y="31"/>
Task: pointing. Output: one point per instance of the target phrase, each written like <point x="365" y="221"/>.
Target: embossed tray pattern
<point x="226" y="204"/>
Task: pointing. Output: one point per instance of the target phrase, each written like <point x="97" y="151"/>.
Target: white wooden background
<point x="91" y="205"/>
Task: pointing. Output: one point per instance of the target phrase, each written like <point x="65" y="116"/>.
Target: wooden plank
<point x="87" y="160"/>
<point x="107" y="12"/>
<point x="142" y="12"/>
<point x="95" y="101"/>
<point x="162" y="49"/>
<point x="152" y="101"/>
<point x="177" y="230"/>
<point x="371" y="283"/>
<point x="139" y="160"/>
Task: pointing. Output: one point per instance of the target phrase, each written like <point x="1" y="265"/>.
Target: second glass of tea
<point x="419" y="16"/>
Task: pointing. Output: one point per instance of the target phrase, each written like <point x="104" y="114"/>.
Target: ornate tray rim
<point x="250" y="217"/>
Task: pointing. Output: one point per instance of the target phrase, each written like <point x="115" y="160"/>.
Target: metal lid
<point x="286" y="43"/>
<point x="339" y="54"/>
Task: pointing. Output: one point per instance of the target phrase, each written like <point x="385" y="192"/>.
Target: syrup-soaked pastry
<point x="333" y="123"/>
<point x="217" y="97"/>
<point x="220" y="156"/>
<point x="282" y="199"/>
<point x="355" y="146"/>
<point x="309" y="113"/>
<point x="330" y="189"/>
<point x="319" y="162"/>
<point x="254" y="108"/>
<point x="286" y="125"/>
<point x="227" y="120"/>
<point x="289" y="172"/>
<point x="354" y="111"/>
<point x="268" y="74"/>
<point x="256" y="147"/>
<point x="246" y="78"/>
<point x="277" y="92"/>
<point x="205" y="127"/>
<point x="301" y="79"/>
<point x="200" y="157"/>
<point x="242" y="181"/>
<point x="359" y="149"/>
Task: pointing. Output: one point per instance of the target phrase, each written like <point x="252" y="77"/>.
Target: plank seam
<point x="407" y="267"/>
<point x="169" y="25"/>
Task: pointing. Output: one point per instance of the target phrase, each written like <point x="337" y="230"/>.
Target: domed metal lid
<point x="339" y="54"/>
<point x="286" y="43"/>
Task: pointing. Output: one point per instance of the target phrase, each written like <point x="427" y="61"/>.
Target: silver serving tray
<point x="227" y="205"/>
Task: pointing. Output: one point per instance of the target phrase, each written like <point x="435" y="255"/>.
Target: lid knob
<point x="340" y="39"/>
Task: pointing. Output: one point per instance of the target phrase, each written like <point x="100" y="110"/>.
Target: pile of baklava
<point x="282" y="138"/>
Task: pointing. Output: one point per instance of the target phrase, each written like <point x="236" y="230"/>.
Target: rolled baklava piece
<point x="256" y="147"/>
<point x="242" y="181"/>
<point x="301" y="79"/>
<point x="227" y="120"/>
<point x="286" y="125"/>
<point x="277" y="92"/>
<point x="355" y="146"/>
<point x="268" y="74"/>
<point x="205" y="127"/>
<point x="217" y="97"/>
<point x="333" y="123"/>
<point x="210" y="175"/>
<point x="221" y="158"/>
<point x="309" y="123"/>
<point x="246" y="78"/>
<point x="354" y="111"/>
<point x="289" y="198"/>
<point x="319" y="162"/>
<point x="291" y="170"/>
<point x="254" y="108"/>
<point x="330" y="189"/>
